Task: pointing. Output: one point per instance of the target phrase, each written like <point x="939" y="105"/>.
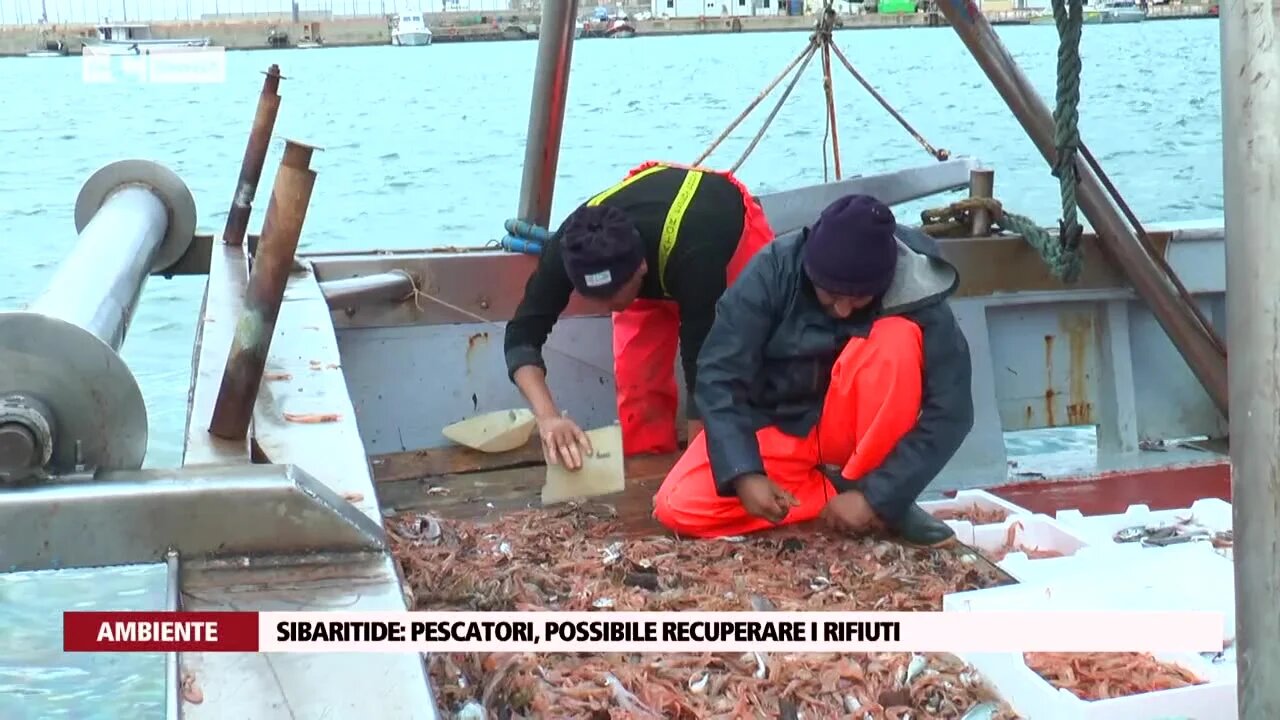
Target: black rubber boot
<point x="917" y="527"/>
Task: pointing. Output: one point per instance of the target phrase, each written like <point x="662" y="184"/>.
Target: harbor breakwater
<point x="349" y="31"/>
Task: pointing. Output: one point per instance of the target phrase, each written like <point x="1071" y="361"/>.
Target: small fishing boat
<point x="133" y="39"/>
<point x="1101" y="13"/>
<point x="410" y="30"/>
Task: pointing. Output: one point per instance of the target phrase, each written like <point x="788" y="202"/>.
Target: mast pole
<point x="1251" y="188"/>
<point x="546" y="112"/>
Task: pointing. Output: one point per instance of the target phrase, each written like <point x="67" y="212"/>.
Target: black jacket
<point x="768" y="360"/>
<point x="707" y="241"/>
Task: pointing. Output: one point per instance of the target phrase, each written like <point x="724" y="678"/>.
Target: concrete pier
<point x="346" y="31"/>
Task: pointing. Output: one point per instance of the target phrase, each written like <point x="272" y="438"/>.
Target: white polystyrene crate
<point x="1213" y="514"/>
<point x="1039" y="532"/>
<point x="1034" y="698"/>
<point x="1120" y="563"/>
<point x="1186" y="581"/>
<point x="965" y="499"/>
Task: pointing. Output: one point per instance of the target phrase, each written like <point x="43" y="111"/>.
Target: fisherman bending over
<point x="835" y="383"/>
<point x="658" y="249"/>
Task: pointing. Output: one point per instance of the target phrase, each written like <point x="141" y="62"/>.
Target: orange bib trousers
<point x="872" y="402"/>
<point x="645" y="338"/>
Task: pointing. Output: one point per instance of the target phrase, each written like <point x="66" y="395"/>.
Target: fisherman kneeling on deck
<point x="659" y="248"/>
<point x="834" y="384"/>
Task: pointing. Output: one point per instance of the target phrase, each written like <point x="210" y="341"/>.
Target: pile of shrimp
<point x="973" y="513"/>
<point x="1100" y="676"/>
<point x="719" y="687"/>
<point x="572" y="559"/>
<point x="1013" y="544"/>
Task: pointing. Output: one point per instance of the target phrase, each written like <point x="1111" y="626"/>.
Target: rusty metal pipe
<point x="982" y="184"/>
<point x="1157" y="289"/>
<point x="286" y="211"/>
<point x="255" y="157"/>
<point x="546" y="112"/>
<point x="353" y="292"/>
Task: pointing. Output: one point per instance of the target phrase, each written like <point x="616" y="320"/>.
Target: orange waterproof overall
<point x="872" y="402"/>
<point x="646" y="335"/>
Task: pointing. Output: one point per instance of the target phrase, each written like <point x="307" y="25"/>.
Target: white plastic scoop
<point x="495" y="432"/>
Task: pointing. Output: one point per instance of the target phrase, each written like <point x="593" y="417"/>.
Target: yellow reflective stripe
<point x="671" y="228"/>
<point x="607" y="193"/>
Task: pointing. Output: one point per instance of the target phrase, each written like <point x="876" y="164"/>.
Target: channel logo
<point x="161" y="64"/>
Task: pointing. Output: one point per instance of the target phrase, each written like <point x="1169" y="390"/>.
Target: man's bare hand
<point x="762" y="498"/>
<point x="563" y="442"/>
<point x="850" y="512"/>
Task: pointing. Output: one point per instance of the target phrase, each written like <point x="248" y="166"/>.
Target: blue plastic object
<point x="511" y="243"/>
<point x="527" y="230"/>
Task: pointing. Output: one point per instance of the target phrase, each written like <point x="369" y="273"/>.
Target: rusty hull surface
<point x="304" y="376"/>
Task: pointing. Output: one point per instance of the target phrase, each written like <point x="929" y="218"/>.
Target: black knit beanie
<point x="851" y="249"/>
<point x="602" y="249"/>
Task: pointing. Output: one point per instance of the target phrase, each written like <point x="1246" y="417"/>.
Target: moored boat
<point x="1107" y="12"/>
<point x="410" y="30"/>
<point x="134" y="39"/>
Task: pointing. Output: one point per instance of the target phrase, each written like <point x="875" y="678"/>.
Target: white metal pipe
<point x="98" y="285"/>
<point x="1251" y="186"/>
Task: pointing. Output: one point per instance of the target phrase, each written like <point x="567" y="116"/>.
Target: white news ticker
<point x="629" y="632"/>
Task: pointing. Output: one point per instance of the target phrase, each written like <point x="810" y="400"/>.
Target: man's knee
<point x="667" y="506"/>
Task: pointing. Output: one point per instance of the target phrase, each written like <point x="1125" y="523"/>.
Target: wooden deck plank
<point x="490" y="493"/>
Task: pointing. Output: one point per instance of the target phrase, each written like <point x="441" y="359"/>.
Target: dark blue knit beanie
<point x="602" y="249"/>
<point x="851" y="249"/>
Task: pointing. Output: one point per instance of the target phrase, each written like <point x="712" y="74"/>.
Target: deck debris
<point x="190" y="690"/>
<point x="573" y="559"/>
<point x="1101" y="676"/>
<point x="312" y="418"/>
<point x="973" y="514"/>
<point x="276" y="376"/>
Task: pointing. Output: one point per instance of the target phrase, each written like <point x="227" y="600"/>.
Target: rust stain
<point x="1080" y="332"/>
<point x="478" y="340"/>
<point x="1048" y="381"/>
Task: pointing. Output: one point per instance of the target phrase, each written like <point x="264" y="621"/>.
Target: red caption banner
<point x="160" y="632"/>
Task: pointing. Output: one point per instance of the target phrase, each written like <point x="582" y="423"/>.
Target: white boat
<point x="1105" y="13"/>
<point x="411" y="30"/>
<point x="134" y="39"/>
<point x="309" y="44"/>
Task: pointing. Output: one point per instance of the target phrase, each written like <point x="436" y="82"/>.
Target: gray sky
<point x="15" y="12"/>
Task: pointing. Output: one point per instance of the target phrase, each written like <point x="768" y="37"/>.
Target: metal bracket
<point x="201" y="512"/>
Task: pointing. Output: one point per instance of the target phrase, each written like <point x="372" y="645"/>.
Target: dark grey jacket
<point x="768" y="357"/>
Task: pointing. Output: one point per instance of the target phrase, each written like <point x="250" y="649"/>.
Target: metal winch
<point x="68" y="402"/>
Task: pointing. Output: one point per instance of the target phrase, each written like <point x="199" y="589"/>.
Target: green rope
<point x="1065" y="261"/>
